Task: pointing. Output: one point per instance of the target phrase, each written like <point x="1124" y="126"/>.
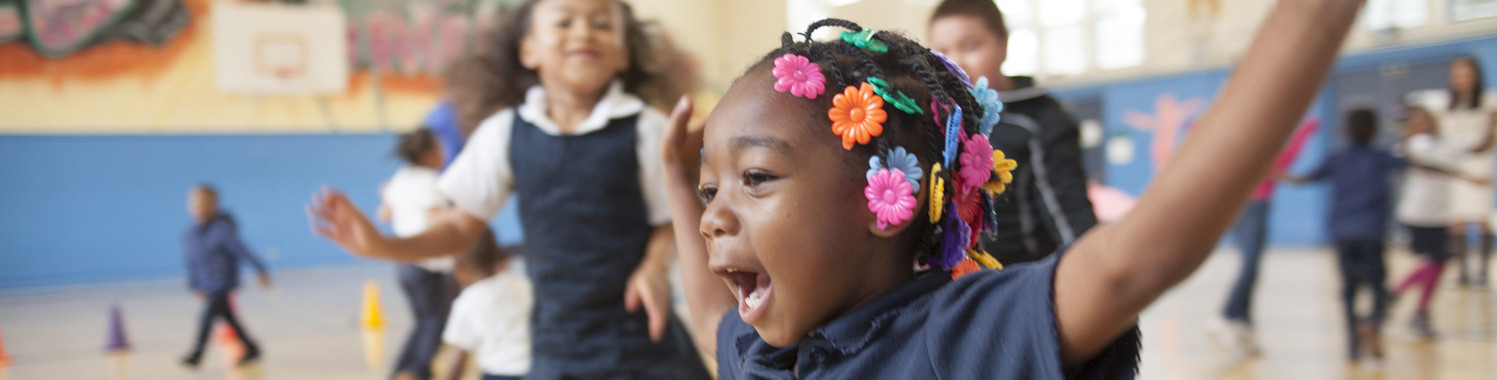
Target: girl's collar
<point x="615" y="104"/>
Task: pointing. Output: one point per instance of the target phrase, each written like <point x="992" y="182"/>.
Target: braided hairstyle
<point x="911" y="69"/>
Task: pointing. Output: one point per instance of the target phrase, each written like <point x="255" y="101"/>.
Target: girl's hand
<point x="649" y="287"/>
<point x="334" y="217"/>
<point x="681" y="153"/>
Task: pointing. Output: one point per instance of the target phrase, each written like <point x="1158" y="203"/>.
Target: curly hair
<point x="491" y="77"/>
<point x="909" y="68"/>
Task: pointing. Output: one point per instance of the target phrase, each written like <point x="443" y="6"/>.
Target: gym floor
<point x="309" y="327"/>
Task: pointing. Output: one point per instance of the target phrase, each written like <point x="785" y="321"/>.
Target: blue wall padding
<point x="85" y="209"/>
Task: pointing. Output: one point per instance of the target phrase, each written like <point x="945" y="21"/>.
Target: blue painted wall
<point x="86" y="209"/>
<point x="81" y="209"/>
<point x="1298" y="213"/>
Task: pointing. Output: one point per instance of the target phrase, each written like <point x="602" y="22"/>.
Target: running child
<point x="581" y="150"/>
<point x="1424" y="209"/>
<point x="1361" y="201"/>
<point x="830" y="169"/>
<point x="214" y="252"/>
<point x="408" y="197"/>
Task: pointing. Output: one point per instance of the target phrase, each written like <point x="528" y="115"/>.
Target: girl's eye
<point x="706" y="192"/>
<point x="564" y="23"/>
<point x="752" y="178"/>
<point x="603" y="25"/>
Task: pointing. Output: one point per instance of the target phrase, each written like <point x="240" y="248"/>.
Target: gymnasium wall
<point x="1173" y="102"/>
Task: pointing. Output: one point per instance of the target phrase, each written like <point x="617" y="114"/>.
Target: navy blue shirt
<point x="213" y="255"/>
<point x="1361" y="195"/>
<point x="988" y="325"/>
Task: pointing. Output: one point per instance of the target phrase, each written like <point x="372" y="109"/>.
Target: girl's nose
<point x="581" y="29"/>
<point x="718" y="221"/>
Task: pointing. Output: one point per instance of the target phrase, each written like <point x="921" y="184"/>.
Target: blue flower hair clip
<point x="991" y="106"/>
<point x="898" y="158"/>
<point x="864" y="39"/>
<point x="952" y="66"/>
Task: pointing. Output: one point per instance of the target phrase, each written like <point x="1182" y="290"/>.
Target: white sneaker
<point x="1234" y="336"/>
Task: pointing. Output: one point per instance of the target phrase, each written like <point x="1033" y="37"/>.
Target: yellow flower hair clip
<point x="1003" y="169"/>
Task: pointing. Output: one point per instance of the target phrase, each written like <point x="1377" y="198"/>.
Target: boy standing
<point x="213" y="255"/>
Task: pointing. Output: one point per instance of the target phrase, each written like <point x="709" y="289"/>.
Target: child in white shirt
<point x="490" y="320"/>
<point x="1425" y="208"/>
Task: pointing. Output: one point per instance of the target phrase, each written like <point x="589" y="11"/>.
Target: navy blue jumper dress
<point x="586" y="227"/>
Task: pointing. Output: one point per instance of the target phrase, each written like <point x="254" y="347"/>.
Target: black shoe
<point x="249" y="357"/>
<point x="191" y="362"/>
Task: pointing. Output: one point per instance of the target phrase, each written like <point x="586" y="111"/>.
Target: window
<point x="1394" y="14"/>
<point x="1069" y="37"/>
<point x="1468" y="9"/>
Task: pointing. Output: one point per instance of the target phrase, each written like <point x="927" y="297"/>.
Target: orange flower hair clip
<point x="857" y="115"/>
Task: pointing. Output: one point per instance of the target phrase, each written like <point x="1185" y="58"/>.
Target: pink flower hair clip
<point x="798" y="75"/>
<point x="890" y="197"/>
<point x="977" y="163"/>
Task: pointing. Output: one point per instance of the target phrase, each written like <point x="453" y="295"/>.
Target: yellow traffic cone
<point x="371" y="320"/>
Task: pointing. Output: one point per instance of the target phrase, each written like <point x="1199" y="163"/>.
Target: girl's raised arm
<point x="1113" y="273"/>
<point x="706" y="295"/>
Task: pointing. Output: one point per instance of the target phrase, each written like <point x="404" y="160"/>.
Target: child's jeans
<point x="1361" y="263"/>
<point x="218" y="307"/>
<point x="430" y="296"/>
<point x="1249" y="233"/>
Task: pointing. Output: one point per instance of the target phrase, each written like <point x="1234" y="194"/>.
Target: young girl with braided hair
<point x="839" y="250"/>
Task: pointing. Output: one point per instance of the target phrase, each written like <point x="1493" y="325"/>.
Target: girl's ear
<point x="528" y="58"/>
<point x="891" y="231"/>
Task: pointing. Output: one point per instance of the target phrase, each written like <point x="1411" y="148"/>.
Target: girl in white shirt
<point x="408" y="197"/>
<point x="1466" y="115"/>
<point x="1424" y="208"/>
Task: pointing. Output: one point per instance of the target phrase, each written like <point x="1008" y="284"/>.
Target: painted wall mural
<point x="1168" y="123"/>
<point x="148" y="65"/>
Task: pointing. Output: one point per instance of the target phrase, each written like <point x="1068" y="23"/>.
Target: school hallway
<point x="309" y="326"/>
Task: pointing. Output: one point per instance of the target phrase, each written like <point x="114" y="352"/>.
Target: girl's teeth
<point x="754" y="299"/>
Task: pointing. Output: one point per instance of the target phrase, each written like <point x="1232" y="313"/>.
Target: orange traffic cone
<point x="4" y="358"/>
<point x="371" y="320"/>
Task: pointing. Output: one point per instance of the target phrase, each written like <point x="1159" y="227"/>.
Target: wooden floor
<point x="308" y="326"/>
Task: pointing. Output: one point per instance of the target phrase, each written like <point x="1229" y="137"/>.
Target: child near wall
<point x="408" y="198"/>
<point x="1424" y="209"/>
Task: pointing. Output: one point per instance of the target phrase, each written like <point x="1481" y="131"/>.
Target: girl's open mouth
<point x="753" y="290"/>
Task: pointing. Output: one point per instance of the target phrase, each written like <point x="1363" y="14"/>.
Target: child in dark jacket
<point x="1361" y="204"/>
<point x="214" y="252"/>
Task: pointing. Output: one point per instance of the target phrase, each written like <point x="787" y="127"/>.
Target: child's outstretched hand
<point x="681" y="153"/>
<point x="334" y="217"/>
<point x="706" y="297"/>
